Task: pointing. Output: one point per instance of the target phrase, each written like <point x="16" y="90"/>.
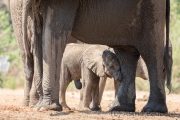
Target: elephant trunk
<point x="117" y="76"/>
<point x="78" y="84"/>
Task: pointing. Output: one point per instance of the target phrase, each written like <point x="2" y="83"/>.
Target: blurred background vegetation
<point x="14" y="77"/>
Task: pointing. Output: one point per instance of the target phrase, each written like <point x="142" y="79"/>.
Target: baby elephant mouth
<point x="116" y="75"/>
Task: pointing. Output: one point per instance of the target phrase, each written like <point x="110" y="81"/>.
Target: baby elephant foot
<point x="95" y="108"/>
<point x="47" y="104"/>
<point x="155" y="107"/>
<point x="84" y="109"/>
<point x="65" y="107"/>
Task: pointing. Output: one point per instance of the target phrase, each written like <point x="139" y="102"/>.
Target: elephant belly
<point x="110" y="22"/>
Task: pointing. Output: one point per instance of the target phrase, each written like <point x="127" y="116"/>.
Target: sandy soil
<point x="12" y="109"/>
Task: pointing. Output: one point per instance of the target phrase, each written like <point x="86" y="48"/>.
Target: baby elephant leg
<point x="64" y="82"/>
<point x="81" y="95"/>
<point x="95" y="105"/>
<point x="87" y="77"/>
<point x="102" y="84"/>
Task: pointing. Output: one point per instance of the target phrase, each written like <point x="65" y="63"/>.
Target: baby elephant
<point x="89" y="63"/>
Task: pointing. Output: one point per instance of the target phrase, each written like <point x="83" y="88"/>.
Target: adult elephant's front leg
<point x="152" y="52"/>
<point x="125" y="99"/>
<point x="58" y="22"/>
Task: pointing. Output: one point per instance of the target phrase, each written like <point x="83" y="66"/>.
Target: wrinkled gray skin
<point x="131" y="32"/>
<point x="92" y="63"/>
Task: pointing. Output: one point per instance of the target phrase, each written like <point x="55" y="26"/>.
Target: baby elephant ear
<point x="92" y="58"/>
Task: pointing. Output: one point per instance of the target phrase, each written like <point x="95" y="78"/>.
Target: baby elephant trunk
<point x="78" y="84"/>
<point x="117" y="76"/>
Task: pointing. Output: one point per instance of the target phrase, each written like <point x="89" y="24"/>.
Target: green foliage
<point x="9" y="47"/>
<point x="175" y="38"/>
<point x="1" y="81"/>
<point x="10" y="83"/>
<point x="5" y="32"/>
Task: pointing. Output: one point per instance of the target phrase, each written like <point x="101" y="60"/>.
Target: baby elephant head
<point x="102" y="62"/>
<point x="111" y="65"/>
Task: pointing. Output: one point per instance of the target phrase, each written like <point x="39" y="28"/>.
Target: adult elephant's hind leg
<point x="157" y="98"/>
<point x="126" y="95"/>
<point x="57" y="26"/>
<point x="152" y="51"/>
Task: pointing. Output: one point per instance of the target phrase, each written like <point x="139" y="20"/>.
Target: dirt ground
<point x="11" y="108"/>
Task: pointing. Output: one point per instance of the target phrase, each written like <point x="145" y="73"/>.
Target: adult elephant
<point x="131" y="32"/>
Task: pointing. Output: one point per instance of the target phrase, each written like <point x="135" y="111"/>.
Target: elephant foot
<point x="32" y="103"/>
<point x="155" y="107"/>
<point x="36" y="107"/>
<point x="65" y="107"/>
<point x="47" y="104"/>
<point x="124" y="108"/>
<point x="115" y="106"/>
<point x="26" y="102"/>
<point x="84" y="109"/>
<point x="95" y="108"/>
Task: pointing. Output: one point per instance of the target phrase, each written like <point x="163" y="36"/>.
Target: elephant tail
<point x="25" y="11"/>
<point x="168" y="49"/>
<point x="78" y="84"/>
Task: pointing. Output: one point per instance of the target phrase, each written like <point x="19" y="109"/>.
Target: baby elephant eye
<point x="111" y="67"/>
